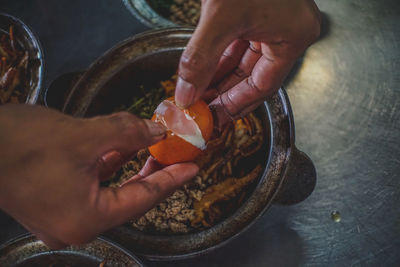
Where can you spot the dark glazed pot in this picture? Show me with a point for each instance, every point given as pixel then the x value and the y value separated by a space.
pixel 147 15
pixel 288 177
pixel 27 251
pixel 36 62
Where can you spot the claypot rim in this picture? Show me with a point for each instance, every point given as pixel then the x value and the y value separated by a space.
pixel 280 117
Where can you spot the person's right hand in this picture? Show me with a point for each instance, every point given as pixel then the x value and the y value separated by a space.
pixel 244 50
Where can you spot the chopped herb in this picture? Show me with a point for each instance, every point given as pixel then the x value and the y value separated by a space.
pixel 144 106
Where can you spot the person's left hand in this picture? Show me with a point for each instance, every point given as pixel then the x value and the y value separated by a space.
pixel 51 166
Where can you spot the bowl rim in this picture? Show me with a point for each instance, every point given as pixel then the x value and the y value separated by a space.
pixel 281 94
pixel 146 14
pixel 22 240
pixel 180 30
pixel 270 182
pixel 34 93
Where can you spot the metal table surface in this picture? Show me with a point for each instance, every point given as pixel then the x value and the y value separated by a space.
pixel 345 95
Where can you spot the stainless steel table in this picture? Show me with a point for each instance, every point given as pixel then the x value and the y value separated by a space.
pixel 345 94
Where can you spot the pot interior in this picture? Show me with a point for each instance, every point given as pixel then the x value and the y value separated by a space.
pixel 147 72
pixel 28 251
pixel 103 89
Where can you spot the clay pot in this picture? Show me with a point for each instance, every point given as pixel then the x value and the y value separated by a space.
pixel 288 177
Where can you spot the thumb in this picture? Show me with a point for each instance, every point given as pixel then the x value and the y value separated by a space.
pixel 114 139
pixel 133 199
pixel 199 61
pixel 123 132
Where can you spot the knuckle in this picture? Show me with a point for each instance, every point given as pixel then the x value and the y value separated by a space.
pixel 141 130
pixel 314 28
pixel 314 19
pixel 129 124
pixel 168 175
pixel 241 73
pixel 255 47
pixel 162 187
pixel 316 31
pixel 121 120
pixel 228 54
pixel 230 106
pixel 151 188
pixel 254 88
pixel 193 59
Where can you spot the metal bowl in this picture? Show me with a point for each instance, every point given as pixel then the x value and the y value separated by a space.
pixel 147 15
pixel 288 176
pixel 27 251
pixel 36 62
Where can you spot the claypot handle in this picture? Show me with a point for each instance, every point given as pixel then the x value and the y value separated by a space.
pixel 299 180
pixel 59 89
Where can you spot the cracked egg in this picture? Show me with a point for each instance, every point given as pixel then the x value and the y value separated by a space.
pixel 188 131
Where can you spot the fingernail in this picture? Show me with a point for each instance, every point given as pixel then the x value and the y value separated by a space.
pixel 109 163
pixel 184 93
pixel 155 128
pixel 150 166
pixel 220 114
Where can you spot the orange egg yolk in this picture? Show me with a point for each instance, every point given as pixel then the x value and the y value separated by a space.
pixel 188 131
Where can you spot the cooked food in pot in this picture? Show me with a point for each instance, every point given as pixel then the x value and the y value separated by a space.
pixel 229 168
pixel 182 12
pixel 14 60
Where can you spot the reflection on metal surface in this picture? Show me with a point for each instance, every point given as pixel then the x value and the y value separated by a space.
pixel 335 216
pixel 317 71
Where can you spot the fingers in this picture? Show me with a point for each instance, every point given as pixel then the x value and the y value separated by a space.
pixel 222 117
pixel 106 142
pixel 243 69
pixel 124 132
pixel 112 161
pixel 234 63
pixel 230 59
pixel 108 164
pixel 199 61
pixel 251 108
pixel 112 140
pixel 116 206
pixel 266 77
pixel 149 167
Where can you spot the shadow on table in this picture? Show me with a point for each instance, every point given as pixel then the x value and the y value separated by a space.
pixel 325 31
pixel 261 245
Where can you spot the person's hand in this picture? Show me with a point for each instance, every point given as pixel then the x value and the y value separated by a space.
pixel 243 50
pixel 51 165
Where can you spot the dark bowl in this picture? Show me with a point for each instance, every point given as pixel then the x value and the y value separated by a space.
pixel 27 251
pixel 147 15
pixel 36 62
pixel 288 176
